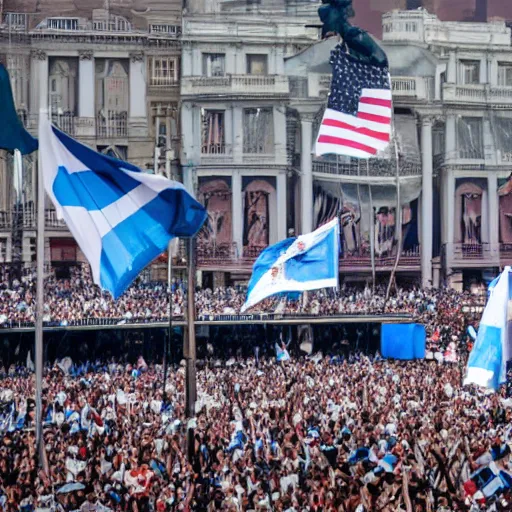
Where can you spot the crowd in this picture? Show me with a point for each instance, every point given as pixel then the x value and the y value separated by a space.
pixel 77 301
pixel 346 434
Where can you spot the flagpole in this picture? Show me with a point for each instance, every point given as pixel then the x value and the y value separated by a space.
pixel 190 348
pixel 168 338
pixel 372 225
pixel 39 297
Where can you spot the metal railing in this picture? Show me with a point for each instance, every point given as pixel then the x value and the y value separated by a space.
pixel 113 125
pixel 236 84
pixel 65 122
pixel 377 168
pixel 5 220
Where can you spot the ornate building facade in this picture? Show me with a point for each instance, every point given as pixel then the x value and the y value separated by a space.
pixel 108 72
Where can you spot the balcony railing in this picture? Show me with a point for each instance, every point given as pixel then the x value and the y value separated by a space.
pixel 477 93
pixel 409 258
pixel 52 221
pixel 5 220
pixel 250 85
pixel 65 122
pixel 472 254
pixel 472 154
pixel 113 125
pixel 376 168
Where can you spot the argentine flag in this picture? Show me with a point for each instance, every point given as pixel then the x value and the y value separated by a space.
pixel 308 262
pixel 488 359
pixel 120 217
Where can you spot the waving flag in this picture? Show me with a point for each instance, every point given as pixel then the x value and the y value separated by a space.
pixel 357 120
pixel 120 217
pixel 308 262
pixel 488 359
pixel 12 133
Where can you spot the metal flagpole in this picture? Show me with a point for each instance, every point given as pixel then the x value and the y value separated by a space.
pixel 190 348
pixel 372 225
pixel 168 338
pixel 39 297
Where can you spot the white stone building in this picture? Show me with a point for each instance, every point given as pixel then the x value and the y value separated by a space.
pixel 235 99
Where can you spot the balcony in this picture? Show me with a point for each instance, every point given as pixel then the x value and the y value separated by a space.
pixel 213 154
pixel 377 168
pixel 50 220
pixel 113 125
pixel 477 94
pixel 235 85
pixel 409 261
pixel 472 255
pixel 5 221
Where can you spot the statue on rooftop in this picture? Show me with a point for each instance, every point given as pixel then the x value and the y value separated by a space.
pixel 334 15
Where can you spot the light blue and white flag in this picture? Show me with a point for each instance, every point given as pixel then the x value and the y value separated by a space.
pixel 120 217
pixel 308 262
pixel 488 359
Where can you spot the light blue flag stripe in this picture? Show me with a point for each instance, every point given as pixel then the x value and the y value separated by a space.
pixel 120 217
pixel 308 262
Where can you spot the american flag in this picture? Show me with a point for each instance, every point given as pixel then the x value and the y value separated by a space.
pixel 357 120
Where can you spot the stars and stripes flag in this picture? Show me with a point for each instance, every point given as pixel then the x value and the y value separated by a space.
pixel 357 120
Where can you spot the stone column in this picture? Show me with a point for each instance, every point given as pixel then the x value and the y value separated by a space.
pixel 281 206
pixel 39 81
pixel 426 202
pixel 138 112
pixel 86 84
pixel 237 210
pixel 494 223
pixel 451 72
pixel 451 137
pixel 449 208
pixel 306 125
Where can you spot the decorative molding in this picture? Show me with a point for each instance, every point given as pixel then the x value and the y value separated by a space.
pixel 86 55
pixel 137 57
pixel 38 54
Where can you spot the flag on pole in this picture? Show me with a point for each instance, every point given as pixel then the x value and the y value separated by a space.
pixel 12 133
pixel 357 120
pixel 308 262
pixel 120 217
pixel 488 359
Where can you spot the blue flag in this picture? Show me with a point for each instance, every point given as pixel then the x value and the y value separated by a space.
pixel 308 262
pixel 12 133
pixel 120 217
pixel 488 359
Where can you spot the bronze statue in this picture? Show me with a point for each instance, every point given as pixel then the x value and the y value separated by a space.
pixel 334 15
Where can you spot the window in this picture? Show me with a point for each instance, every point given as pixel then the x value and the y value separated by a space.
pixel 213 142
pixel 164 71
pixel 505 74
pixel 114 24
pixel 504 132
pixel 165 122
pixel 15 20
pixel 258 131
pixel 171 30
pixel 62 23
pixel 214 64
pixel 469 72
pixel 257 64
pixel 3 250
pixel 471 145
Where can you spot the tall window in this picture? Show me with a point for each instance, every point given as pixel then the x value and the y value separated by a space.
pixel 257 64
pixel 3 250
pixel 213 141
pixel 505 74
pixel 471 141
pixel 62 23
pixel 469 72
pixel 164 71
pixel 258 131
pixel 165 122
pixel 504 132
pixel 171 30
pixel 214 64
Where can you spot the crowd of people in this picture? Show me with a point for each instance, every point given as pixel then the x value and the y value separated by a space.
pixel 77 301
pixel 324 433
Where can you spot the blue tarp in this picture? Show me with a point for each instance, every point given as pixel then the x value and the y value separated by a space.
pixel 403 341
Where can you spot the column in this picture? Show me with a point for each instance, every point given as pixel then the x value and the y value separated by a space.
pixel 494 223
pixel 86 84
pixel 282 214
pixel 43 81
pixel 483 70
pixel 306 125
pixel 451 137
pixel 34 79
pixel 186 62
pixel 238 214
pixel 449 208
pixel 238 134
pixel 426 202
pixel 451 74
pixel 138 120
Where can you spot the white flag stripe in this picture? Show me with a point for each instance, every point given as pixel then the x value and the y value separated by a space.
pixel 323 148
pixel 381 94
pixel 356 122
pixel 376 110
pixel 353 136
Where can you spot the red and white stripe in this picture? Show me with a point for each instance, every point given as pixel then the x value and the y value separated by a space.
pixel 362 136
